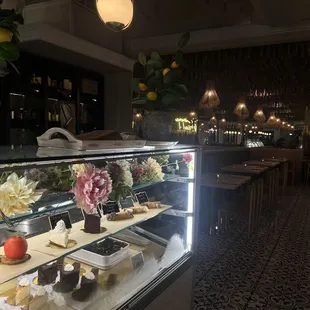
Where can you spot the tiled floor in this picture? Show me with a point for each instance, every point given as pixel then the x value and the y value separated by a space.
pixel 271 270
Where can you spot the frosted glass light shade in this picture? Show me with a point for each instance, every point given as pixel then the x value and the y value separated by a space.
pixel 209 100
pixel 241 111
pixel 259 116
pixel 116 14
pixel 213 121
pixel 272 120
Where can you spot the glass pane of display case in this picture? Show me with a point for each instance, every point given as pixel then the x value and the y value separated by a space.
pixel 102 230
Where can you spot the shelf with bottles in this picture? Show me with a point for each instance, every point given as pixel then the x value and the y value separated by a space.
pixel 60 89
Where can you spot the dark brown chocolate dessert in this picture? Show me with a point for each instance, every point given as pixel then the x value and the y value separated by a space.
pixel 47 273
pixel 106 247
pixel 88 286
pixel 69 278
pixel 92 224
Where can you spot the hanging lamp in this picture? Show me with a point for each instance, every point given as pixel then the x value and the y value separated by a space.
pixel 213 120
pixel 117 15
pixel 241 110
pixel 272 120
pixel 259 115
pixel 210 99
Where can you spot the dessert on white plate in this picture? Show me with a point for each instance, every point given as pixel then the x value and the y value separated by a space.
pixel 60 235
pixel 8 286
pixel 22 294
pixel 39 299
pixel 57 302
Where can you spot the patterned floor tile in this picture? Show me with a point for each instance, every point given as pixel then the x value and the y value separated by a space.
pixel 269 271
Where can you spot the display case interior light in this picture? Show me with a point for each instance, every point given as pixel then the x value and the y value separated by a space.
pixel 190 202
pixel 117 15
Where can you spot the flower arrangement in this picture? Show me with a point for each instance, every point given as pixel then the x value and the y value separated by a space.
pixel 92 187
pixel 187 159
pixel 161 82
pixel 149 171
pixel 17 194
pixel 122 179
pixel 9 38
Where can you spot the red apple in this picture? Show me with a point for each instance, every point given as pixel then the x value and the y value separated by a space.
pixel 15 247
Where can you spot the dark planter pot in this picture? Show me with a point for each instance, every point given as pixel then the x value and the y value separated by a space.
pixel 92 223
pixel 157 126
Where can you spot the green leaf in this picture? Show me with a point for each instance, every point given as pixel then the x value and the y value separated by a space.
pixel 173 76
pixel 180 89
pixel 184 39
pixel 149 70
pixel 169 98
pixel 159 73
pixel 179 59
pixel 154 83
pixel 8 51
pixel 142 59
pixel 155 56
pixel 14 67
pixel 135 84
pixel 155 64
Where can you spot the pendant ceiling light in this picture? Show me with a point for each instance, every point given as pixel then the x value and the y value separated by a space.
pixel 259 115
pixel 272 121
pixel 117 15
pixel 213 121
pixel 241 110
pixel 210 99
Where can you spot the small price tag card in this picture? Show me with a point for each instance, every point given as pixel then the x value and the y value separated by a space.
pixel 127 202
pixel 110 207
pixel 142 197
pixel 137 261
pixel 65 216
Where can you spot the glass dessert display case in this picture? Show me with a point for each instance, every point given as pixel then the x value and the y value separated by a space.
pixel 95 230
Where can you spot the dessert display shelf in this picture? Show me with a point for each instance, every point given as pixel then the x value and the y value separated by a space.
pixel 57 207
pixel 42 254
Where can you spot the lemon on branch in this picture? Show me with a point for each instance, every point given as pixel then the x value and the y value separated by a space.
pixel 142 86
pixel 5 35
pixel 151 95
pixel 165 71
pixel 174 65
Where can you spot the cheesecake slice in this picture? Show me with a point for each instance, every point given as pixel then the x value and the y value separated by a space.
pixel 60 235
pixel 7 287
pixel 22 294
pixel 39 299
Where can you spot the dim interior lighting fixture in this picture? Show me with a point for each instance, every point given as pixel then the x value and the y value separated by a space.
pixel 241 110
pixel 272 119
pixel 213 120
pixel 117 15
pixel 210 99
pixel 259 116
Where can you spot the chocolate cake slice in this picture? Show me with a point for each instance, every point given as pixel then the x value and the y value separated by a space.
pixel 88 286
pixel 69 278
pixel 47 273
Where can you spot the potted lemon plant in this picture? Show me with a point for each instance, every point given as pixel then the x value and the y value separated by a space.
pixel 9 39
pixel 159 88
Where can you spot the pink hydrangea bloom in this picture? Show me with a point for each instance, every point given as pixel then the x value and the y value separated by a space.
pixel 92 187
pixel 187 158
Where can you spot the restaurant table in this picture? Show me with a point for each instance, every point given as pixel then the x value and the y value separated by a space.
pixel 284 166
pixel 272 177
pixel 306 168
pixel 257 174
pixel 220 182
